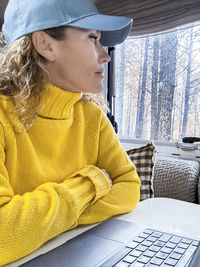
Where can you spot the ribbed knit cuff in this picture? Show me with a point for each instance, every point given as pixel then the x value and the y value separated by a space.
pixel 98 178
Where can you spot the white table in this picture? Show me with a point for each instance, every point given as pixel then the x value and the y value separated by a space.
pixel 168 215
pixel 164 214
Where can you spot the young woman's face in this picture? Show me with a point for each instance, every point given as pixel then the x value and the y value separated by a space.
pixel 79 60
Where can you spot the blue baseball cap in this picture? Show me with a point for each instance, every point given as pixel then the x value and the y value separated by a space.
pixel 23 17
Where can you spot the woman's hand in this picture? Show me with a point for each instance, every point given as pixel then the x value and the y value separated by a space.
pixel 108 176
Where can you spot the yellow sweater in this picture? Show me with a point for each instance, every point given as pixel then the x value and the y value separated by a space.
pixel 51 178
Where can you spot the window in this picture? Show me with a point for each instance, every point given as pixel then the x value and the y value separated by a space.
pixel 157 83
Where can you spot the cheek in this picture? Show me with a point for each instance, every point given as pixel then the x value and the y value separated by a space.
pixel 78 62
pixel 85 64
pixel 84 56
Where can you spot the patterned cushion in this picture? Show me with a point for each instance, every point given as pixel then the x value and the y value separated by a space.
pixel 143 158
pixel 176 178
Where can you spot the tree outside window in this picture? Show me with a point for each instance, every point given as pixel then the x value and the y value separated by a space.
pixel 158 86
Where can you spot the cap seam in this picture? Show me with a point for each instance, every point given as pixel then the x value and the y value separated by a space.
pixel 92 14
pixel 65 23
pixel 21 15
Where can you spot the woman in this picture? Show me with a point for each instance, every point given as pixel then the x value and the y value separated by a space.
pixel 61 164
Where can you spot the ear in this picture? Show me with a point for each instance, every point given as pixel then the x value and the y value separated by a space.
pixel 43 43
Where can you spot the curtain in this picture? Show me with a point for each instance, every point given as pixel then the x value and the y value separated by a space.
pixel 152 16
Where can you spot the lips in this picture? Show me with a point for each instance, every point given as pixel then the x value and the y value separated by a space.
pixel 100 74
pixel 100 71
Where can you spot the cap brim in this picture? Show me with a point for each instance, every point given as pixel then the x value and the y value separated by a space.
pixel 114 29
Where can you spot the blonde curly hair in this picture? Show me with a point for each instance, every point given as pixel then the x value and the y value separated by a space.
pixel 23 76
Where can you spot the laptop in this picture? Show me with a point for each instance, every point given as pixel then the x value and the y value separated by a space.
pixel 120 243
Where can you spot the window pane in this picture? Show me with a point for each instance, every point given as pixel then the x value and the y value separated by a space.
pixel 157 82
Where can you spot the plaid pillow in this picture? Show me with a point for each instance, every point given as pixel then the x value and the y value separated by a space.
pixel 143 158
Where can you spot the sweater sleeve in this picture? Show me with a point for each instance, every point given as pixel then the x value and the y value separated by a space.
pixel 29 220
pixel 125 191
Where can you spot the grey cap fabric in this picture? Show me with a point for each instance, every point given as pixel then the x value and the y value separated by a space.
pixel 23 17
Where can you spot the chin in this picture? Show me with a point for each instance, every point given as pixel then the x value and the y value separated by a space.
pixel 97 90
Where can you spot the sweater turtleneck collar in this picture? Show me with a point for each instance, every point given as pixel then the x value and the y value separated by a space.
pixel 57 103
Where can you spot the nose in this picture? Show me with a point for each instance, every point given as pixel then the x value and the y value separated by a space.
pixel 103 56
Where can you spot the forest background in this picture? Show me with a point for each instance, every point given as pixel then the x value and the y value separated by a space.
pixel 157 82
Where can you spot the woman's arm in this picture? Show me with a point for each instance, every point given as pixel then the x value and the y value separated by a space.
pixel 29 220
pixel 125 192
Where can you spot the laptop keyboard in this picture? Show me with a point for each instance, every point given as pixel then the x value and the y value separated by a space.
pixel 154 248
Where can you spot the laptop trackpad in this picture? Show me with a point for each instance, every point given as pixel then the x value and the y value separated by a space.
pixel 117 230
pixel 86 250
pixel 90 248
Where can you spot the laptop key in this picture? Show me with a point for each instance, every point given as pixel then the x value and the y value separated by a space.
pixel 154 248
pixel 159 243
pixel 122 264
pixel 138 239
pixel 171 262
pixel 141 248
pixel 116 257
pixel 175 239
pixel 186 240
pixel 137 264
pixel 165 237
pixel 157 261
pixel 175 256
pixel 151 239
pixel 144 259
pixel 183 245
pixel 136 253
pixel 156 234
pixel 161 255
pixel 149 253
pixel 170 245
pixel 129 259
pixel 147 243
pixel 132 244
pixel 195 243
pixel 179 250
pixel 166 250
pixel 143 235
pixel 148 231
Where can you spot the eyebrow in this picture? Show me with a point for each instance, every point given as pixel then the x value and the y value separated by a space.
pixel 97 32
pixel 86 30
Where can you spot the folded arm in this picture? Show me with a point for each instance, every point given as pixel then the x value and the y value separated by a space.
pixel 29 220
pixel 125 192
